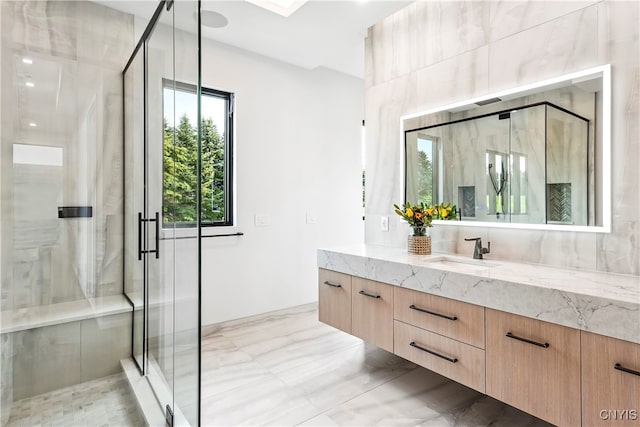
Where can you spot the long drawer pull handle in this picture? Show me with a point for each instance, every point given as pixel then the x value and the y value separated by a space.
pixel 422 310
pixel 366 294
pixel 333 285
pixel 450 359
pixel 619 367
pixel 543 345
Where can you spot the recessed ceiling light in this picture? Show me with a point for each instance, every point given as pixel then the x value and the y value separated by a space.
pixel 33 124
pixel 281 7
pixel 30 84
pixel 211 19
pixel 27 61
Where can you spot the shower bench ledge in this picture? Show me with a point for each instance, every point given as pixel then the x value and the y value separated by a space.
pixel 54 314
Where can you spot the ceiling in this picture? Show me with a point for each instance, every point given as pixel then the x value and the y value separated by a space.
pixel 320 33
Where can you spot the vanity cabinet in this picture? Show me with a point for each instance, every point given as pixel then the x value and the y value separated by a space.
pixel 372 312
pixel 534 366
pixel 334 299
pixel 610 381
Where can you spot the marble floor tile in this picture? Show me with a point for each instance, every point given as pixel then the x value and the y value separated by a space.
pixel 265 401
pixel 344 374
pixel 289 369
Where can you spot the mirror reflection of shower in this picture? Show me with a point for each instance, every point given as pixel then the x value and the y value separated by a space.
pixel 498 179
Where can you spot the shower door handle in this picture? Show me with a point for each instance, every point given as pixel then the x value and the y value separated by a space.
pixel 157 235
pixel 140 236
pixel 147 220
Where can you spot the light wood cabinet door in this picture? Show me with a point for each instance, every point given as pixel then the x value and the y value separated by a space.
pixel 372 312
pixel 334 299
pixel 461 362
pixel 534 366
pixel 454 319
pixel 610 381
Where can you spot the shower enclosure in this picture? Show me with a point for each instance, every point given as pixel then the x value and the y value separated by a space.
pixel 93 270
pixel 65 319
pixel 161 256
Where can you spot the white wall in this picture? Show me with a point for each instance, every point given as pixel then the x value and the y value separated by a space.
pixel 298 136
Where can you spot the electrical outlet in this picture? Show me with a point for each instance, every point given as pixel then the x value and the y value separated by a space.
pixel 384 223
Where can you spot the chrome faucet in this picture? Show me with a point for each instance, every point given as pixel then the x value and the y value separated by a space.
pixel 478 250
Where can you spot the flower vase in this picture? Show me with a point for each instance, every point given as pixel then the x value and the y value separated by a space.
pixel 419 242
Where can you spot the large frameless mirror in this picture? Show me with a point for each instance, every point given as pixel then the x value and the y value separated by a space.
pixel 535 156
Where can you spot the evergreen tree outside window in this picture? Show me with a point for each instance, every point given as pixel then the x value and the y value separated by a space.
pixel 181 156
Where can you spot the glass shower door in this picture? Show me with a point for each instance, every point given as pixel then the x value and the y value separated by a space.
pixel 134 153
pixel 162 209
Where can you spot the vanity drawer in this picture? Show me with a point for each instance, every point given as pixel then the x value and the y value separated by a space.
pixel 372 312
pixel 334 299
pixel 534 366
pixel 454 319
pixel 460 362
pixel 610 381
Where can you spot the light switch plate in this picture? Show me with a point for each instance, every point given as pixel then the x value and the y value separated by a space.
pixel 384 223
pixel 311 218
pixel 262 220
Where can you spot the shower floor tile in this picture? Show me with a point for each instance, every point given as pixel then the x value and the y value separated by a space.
pixel 102 402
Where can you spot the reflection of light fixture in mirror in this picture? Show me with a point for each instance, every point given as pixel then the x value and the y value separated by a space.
pixel 32 124
pixel 282 7
pixel 27 61
pixel 211 19
pixel 30 84
pixel 487 101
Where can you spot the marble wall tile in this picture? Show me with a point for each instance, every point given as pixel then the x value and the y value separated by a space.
pixel 510 17
pixel 46 359
pixel 392 99
pixel 447 29
pixel 450 238
pixel 619 251
pixel 105 35
pixel 461 77
pixel 562 249
pixel 104 342
pixel 6 377
pixel 82 46
pixel 391 47
pixel 620 47
pixel 557 47
pixel 73 30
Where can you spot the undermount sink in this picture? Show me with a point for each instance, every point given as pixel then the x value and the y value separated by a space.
pixel 455 263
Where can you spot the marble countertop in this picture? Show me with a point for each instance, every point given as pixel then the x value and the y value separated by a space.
pixel 64 312
pixel 603 303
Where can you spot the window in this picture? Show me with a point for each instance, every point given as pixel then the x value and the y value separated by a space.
pixel 180 158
